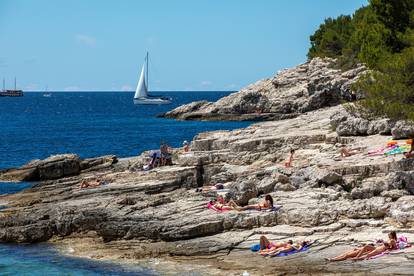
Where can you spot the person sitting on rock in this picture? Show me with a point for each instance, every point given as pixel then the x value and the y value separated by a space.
pixel 410 153
pixel 93 184
pixel 367 250
pixel 155 161
pixel 267 204
pixel 391 244
pixel 166 156
pixel 345 152
pixel 186 146
pixel 266 245
pixel 288 162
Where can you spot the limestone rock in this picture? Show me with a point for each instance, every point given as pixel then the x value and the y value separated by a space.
pixel 402 130
pixel 56 166
pixel 309 86
pixel 402 211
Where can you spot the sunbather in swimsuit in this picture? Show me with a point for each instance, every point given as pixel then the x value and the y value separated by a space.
pixel 92 184
pixel 410 153
pixel 288 247
pixel 356 252
pixel 267 204
pixel 266 246
pixel 348 152
pixel 231 205
pixel 361 252
pixel 390 245
pixel 211 188
pixel 288 162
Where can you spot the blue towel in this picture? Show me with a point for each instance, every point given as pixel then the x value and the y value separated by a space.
pixel 255 247
pixel 290 252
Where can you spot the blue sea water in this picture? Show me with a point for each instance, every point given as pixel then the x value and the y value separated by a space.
pixel 93 124
pixel 89 124
pixel 43 259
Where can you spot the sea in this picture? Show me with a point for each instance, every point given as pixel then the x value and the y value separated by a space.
pixel 89 124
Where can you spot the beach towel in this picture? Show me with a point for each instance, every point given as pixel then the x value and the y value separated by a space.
pixel 379 151
pixel 273 209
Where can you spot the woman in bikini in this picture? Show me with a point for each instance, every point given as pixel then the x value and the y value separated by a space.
pixel 364 251
pixel 267 204
pixel 288 162
pixel 288 247
pixel 230 205
pixel 353 253
pixel 345 152
pixel 390 245
pixel 266 246
pixel 92 184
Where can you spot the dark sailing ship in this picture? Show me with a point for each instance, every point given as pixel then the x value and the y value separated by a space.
pixel 11 92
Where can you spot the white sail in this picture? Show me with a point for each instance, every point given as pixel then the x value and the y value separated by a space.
pixel 141 91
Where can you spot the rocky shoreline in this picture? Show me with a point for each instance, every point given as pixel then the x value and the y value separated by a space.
pixel 309 86
pixel 338 203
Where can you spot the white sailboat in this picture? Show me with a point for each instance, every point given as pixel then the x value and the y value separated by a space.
pixel 47 94
pixel 141 93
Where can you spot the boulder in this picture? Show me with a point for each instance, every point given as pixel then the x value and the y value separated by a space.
pixel 402 211
pixel 402 130
pixel 402 180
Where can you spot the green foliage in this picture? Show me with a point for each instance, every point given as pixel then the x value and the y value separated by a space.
pixel 381 35
pixel 390 91
pixel 331 37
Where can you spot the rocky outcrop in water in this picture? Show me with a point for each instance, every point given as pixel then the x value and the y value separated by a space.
pixel 309 86
pixel 55 167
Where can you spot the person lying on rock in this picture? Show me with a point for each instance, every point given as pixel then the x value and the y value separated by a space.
pixel 288 247
pixel 266 204
pixel 345 152
pixel 391 244
pixel 215 187
pixel 288 162
pixel 362 252
pixel 93 184
pixel 353 253
pixel 230 205
pixel 266 246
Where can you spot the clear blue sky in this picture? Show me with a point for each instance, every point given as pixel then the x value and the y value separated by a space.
pixel 193 44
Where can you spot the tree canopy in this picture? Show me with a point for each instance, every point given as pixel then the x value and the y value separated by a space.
pixel 381 35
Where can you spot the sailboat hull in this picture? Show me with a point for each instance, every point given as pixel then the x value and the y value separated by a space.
pixel 151 101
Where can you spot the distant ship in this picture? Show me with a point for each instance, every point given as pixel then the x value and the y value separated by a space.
pixel 47 94
pixel 141 93
pixel 11 92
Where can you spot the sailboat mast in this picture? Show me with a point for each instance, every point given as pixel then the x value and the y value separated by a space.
pixel 4 84
pixel 14 83
pixel 147 74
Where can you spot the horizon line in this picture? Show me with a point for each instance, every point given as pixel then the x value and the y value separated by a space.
pixel 121 91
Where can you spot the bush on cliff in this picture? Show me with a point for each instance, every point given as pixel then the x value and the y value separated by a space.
pixel 381 35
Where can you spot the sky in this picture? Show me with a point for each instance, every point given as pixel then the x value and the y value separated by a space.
pixel 100 45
